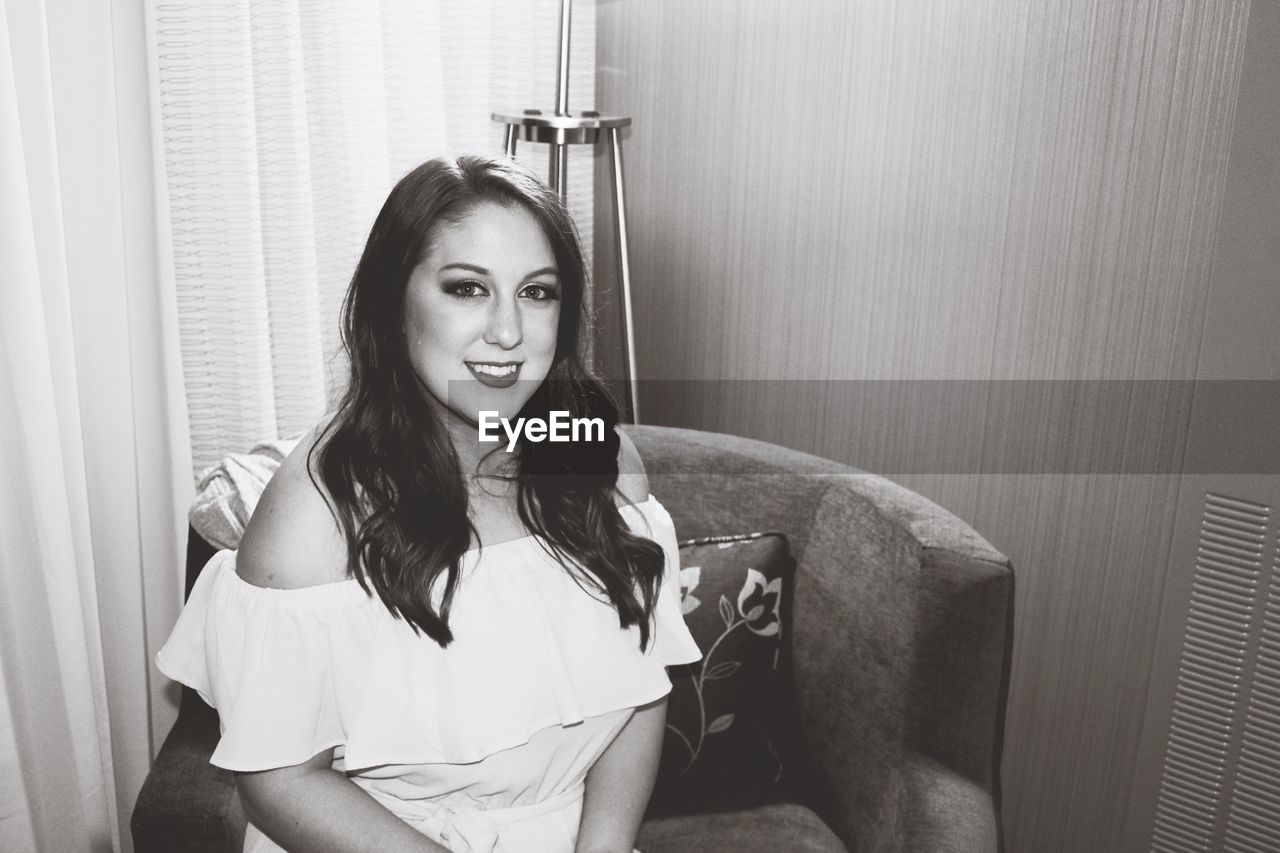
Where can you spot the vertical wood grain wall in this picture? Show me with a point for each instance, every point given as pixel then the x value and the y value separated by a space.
pixel 925 189
pixel 1239 342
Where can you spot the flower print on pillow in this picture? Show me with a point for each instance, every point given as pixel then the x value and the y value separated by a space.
pixel 722 720
pixel 758 603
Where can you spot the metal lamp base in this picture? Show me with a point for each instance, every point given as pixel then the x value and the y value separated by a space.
pixel 585 128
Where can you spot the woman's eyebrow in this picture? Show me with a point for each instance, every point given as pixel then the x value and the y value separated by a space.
pixel 543 271
pixel 482 271
pixel 471 267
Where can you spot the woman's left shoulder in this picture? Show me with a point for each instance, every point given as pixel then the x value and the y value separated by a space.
pixel 633 483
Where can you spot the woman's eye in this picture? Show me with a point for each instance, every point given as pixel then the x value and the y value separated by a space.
pixel 465 289
pixel 540 293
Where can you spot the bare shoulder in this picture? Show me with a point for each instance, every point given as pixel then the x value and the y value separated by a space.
pixel 292 540
pixel 633 483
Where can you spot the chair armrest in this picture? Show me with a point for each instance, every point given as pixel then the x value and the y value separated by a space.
pixel 960 673
pixel 901 655
pixel 186 803
pixel 854 605
pixel 947 813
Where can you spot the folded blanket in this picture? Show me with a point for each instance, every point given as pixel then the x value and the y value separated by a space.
pixel 228 492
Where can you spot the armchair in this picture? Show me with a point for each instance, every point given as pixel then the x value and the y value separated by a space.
pixel 899 645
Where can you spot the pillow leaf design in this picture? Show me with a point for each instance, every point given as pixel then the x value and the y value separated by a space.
pixel 758 605
pixel 727 714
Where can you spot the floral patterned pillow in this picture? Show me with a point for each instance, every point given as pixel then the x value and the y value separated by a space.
pixel 726 711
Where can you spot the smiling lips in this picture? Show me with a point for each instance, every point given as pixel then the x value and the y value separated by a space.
pixel 495 374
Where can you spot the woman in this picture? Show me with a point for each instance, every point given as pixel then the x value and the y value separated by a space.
pixel 425 641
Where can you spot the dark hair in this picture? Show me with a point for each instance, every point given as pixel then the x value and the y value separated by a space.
pixel 393 478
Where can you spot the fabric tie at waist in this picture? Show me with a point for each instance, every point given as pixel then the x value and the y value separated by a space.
pixel 470 830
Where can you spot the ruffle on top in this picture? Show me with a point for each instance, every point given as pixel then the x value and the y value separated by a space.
pixel 295 672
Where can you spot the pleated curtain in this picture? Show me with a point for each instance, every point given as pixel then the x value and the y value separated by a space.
pixel 95 474
pixel 184 191
pixel 285 125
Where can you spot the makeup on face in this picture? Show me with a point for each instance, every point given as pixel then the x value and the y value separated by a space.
pixel 482 312
pixel 495 374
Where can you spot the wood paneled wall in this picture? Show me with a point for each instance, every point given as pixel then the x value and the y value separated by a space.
pixel 1239 342
pixel 990 190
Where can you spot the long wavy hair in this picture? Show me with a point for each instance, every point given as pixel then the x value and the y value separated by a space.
pixel 393 478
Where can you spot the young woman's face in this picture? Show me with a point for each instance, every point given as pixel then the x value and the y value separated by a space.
pixel 481 312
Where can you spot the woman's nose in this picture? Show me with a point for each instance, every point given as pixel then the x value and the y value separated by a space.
pixel 504 328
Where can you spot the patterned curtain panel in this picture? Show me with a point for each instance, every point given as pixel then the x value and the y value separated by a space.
pixel 284 126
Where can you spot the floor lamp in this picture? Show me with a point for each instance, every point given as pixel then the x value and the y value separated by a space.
pixel 561 129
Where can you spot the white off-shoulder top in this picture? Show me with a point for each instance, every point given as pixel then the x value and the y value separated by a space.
pixel 485 745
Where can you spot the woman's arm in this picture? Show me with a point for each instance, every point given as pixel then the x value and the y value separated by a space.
pixel 620 782
pixel 291 542
pixel 312 807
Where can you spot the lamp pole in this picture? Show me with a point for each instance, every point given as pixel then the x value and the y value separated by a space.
pixel 560 130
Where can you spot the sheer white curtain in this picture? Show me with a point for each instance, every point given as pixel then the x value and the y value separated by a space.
pixel 184 190
pixel 285 125
pixel 95 469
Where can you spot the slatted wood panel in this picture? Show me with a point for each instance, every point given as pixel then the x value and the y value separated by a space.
pixel 1199 757
pixel 1253 823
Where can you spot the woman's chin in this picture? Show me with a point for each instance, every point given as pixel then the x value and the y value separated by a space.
pixel 488 414
pixel 472 402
